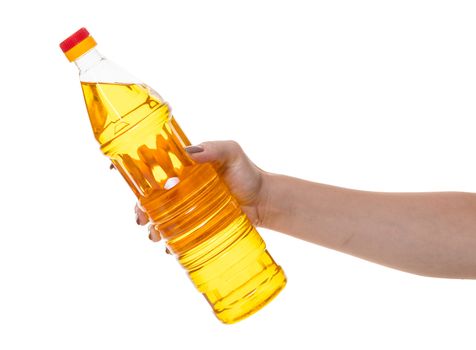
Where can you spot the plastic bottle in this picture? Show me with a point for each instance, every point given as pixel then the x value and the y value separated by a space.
pixel 200 221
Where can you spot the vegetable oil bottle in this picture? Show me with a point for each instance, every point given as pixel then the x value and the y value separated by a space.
pixel 200 221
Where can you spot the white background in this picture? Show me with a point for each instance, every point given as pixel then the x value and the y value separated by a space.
pixel 373 95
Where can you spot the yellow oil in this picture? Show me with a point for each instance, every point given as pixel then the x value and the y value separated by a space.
pixel 200 221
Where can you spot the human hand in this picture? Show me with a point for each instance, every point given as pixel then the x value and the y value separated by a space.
pixel 241 175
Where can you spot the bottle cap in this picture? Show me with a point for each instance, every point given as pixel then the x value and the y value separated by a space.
pixel 77 44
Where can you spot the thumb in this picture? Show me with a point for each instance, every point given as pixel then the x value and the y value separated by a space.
pixel 222 153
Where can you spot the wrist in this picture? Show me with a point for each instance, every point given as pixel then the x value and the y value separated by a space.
pixel 263 206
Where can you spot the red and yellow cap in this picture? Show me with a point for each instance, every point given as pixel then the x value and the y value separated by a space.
pixel 77 44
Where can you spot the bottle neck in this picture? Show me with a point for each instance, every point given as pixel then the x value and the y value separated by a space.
pixel 89 59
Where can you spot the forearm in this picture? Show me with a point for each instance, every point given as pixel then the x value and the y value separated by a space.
pixel 431 234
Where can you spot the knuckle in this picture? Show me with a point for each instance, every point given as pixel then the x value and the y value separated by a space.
pixel 234 147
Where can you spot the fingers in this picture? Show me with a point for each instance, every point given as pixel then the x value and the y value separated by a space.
pixel 154 235
pixel 141 217
pixel 222 152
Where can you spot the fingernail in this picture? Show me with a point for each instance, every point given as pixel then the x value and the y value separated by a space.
pixel 194 149
pixel 112 166
pixel 167 251
pixel 137 219
pixel 150 236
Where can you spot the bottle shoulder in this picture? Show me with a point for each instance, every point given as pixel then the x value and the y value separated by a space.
pixel 106 71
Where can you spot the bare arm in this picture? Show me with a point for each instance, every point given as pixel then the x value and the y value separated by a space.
pixel 431 234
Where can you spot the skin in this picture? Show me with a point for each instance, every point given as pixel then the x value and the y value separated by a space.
pixel 428 233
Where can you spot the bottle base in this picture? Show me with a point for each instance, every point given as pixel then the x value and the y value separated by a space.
pixel 263 289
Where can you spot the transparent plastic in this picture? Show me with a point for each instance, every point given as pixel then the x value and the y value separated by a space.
pixel 200 221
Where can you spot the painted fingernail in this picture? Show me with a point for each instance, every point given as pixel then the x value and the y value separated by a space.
pixel 167 251
pixel 137 219
pixel 112 166
pixel 194 149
